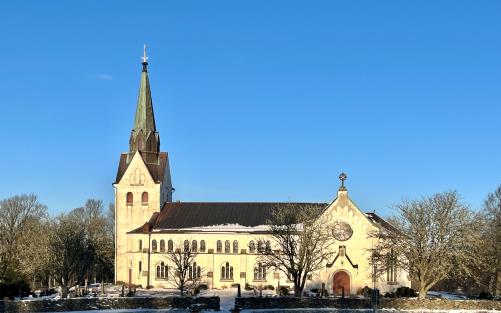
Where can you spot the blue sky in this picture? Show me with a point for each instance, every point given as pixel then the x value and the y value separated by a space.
pixel 255 100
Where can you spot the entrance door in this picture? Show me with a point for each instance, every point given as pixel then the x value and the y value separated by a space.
pixel 341 284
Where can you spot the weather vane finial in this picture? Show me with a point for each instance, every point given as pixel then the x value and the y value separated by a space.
pixel 342 178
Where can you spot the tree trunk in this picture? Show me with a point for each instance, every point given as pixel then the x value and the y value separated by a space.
pixel 422 291
pixel 64 292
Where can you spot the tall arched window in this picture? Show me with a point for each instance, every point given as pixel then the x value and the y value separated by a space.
pixel 162 270
pixel 202 245
pixel 140 245
pixel 227 272
pixel 144 198
pixel 162 245
pixel 227 246
pixel 186 245
pixel 194 246
pixel 154 245
pixel 260 246
pixel 252 246
pixel 219 246
pixel 268 245
pixel 259 272
pixel 129 198
pixel 235 246
pixel 194 271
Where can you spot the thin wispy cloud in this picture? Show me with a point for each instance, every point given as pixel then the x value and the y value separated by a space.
pixel 104 76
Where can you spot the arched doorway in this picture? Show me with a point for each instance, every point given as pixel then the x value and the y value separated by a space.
pixel 341 284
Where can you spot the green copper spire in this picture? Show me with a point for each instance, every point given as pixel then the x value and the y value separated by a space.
pixel 145 119
pixel 144 136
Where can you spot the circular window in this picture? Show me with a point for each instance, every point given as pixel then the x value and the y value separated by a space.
pixel 342 231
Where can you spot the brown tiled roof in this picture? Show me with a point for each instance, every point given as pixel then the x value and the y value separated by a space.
pixel 176 215
pixel 156 169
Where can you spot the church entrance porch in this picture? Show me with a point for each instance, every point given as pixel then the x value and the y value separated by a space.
pixel 341 284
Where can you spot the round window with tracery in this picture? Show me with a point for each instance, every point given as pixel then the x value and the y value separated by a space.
pixel 342 231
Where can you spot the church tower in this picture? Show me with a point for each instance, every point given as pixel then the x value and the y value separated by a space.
pixel 143 182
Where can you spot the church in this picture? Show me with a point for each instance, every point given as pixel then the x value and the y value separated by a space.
pixel 149 224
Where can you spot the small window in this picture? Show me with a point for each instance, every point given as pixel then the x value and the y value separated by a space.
pixel 140 267
pixel 219 246
pixel 129 198
pixel 194 246
pixel 202 245
pixel 140 245
pixel 170 246
pixel 235 246
pixel 154 245
pixel 186 246
pixel 227 246
pixel 260 246
pixel 268 245
pixel 144 198
pixel 162 245
pixel 194 272
pixel 252 246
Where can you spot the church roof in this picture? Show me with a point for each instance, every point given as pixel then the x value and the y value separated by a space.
pixel 156 169
pixel 182 215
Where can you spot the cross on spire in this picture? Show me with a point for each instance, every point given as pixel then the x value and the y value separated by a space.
pixel 145 59
pixel 342 178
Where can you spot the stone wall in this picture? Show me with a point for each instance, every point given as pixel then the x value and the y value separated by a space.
pixel 348 303
pixel 440 304
pixel 295 302
pixel 84 304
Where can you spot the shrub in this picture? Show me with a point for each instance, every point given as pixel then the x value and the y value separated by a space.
pixel 405 292
pixel 367 292
pixel 390 295
pixel 269 287
pixel 485 296
pixel 203 287
pixel 248 287
pixel 315 290
pixel 234 285
pixel 284 291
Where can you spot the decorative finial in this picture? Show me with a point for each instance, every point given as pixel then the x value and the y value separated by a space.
pixel 342 178
pixel 145 59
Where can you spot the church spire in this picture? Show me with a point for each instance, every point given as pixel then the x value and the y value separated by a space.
pixel 144 136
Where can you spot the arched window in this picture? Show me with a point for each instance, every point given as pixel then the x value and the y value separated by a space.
pixel 170 246
pixel 235 246
pixel 140 245
pixel 202 245
pixel 162 270
pixel 260 246
pixel 194 271
pixel 268 245
pixel 259 272
pixel 162 245
pixel 144 198
pixel 252 246
pixel 186 246
pixel 140 267
pixel 226 272
pixel 227 246
pixel 194 246
pixel 154 245
pixel 219 246
pixel 129 198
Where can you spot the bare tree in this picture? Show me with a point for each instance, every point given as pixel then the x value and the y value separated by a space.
pixel 429 238
pixel 300 243
pixel 183 271
pixel 491 253
pixel 18 215
pixel 68 251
